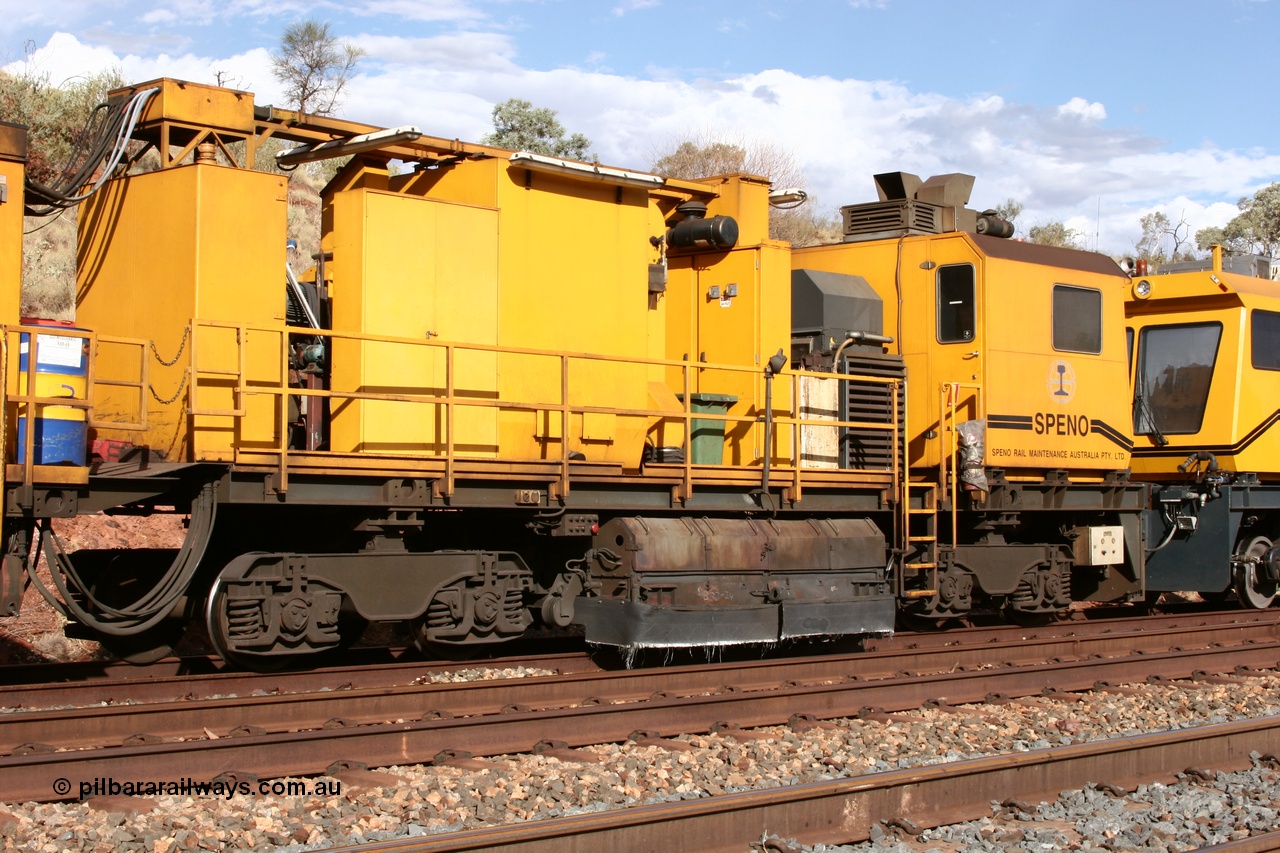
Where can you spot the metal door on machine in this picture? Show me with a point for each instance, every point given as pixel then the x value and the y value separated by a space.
pixel 951 284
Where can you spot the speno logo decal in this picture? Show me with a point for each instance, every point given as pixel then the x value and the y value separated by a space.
pixel 1061 382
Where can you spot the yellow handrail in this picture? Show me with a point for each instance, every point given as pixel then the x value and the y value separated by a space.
pixel 560 407
pixel 949 480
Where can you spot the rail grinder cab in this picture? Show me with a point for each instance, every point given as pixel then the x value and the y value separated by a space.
pixel 1017 443
pixel 1204 340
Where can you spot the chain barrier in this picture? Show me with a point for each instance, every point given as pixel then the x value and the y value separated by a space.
pixel 186 333
pixel 181 386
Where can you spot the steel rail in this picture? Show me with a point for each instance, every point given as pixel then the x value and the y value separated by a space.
pixel 32 776
pixel 96 726
pixel 172 682
pixel 74 685
pixel 361 670
pixel 843 811
pixel 1264 843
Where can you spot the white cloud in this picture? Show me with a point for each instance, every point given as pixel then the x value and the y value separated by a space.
pixel 1062 162
pixel 1084 110
pixel 416 10
pixel 16 15
pixel 159 16
pixel 464 51
pixel 633 6
pixel 64 57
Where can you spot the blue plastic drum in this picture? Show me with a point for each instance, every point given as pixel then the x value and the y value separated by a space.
pixel 62 370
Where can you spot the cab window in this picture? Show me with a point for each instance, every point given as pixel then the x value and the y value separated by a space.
pixel 955 304
pixel 1174 371
pixel 1265 332
pixel 1077 319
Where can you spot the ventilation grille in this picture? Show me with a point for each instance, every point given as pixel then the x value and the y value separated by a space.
pixel 872 449
pixel 898 218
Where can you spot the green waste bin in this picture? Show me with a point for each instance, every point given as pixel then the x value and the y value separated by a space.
pixel 707 439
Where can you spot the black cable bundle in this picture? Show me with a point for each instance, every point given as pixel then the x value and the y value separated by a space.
pixel 102 145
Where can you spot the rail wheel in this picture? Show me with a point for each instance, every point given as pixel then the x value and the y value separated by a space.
pixel 432 650
pixel 1252 588
pixel 220 622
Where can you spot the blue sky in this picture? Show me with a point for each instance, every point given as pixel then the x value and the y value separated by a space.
pixel 1093 113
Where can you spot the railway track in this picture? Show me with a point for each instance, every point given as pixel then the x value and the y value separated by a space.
pixel 114 682
pixel 841 811
pixel 308 733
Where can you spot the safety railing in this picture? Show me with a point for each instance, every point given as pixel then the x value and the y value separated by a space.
pixel 119 350
pixel 54 371
pixel 450 398
pixel 950 403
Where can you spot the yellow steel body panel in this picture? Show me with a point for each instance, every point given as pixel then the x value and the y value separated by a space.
pixel 746 199
pixel 196 104
pixel 1241 423
pixel 420 269
pixel 743 329
pixel 574 257
pixel 1010 356
pixel 561 265
pixel 160 249
pixel 523 298
pixel 13 160
pixel 1078 420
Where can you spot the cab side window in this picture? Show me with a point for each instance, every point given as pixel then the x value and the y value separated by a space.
pixel 956 315
pixel 1173 377
pixel 1266 340
pixel 1077 319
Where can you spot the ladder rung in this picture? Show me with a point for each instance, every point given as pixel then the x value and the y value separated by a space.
pixel 917 566
pixel 922 538
pixel 926 511
pixel 920 593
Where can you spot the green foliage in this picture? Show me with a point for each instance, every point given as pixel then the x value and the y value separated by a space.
pixel 1149 246
pixel 1156 227
pixel 314 66
pixel 519 126
pixel 1056 234
pixel 49 267
pixel 801 226
pixel 690 160
pixel 55 116
pixel 1009 210
pixel 1256 229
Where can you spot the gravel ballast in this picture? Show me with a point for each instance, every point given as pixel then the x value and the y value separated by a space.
pixel 418 799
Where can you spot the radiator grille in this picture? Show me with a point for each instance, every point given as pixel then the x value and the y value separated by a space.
pixel 898 218
pixel 872 449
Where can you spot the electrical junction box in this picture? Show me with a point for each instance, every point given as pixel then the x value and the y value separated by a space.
pixel 1099 546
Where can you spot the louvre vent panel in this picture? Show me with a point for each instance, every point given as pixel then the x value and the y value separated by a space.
pixel 891 218
pixel 871 449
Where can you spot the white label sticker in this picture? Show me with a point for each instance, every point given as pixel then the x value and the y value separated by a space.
pixel 726 302
pixel 59 350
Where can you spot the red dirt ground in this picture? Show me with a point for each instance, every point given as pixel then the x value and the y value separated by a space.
pixel 36 635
